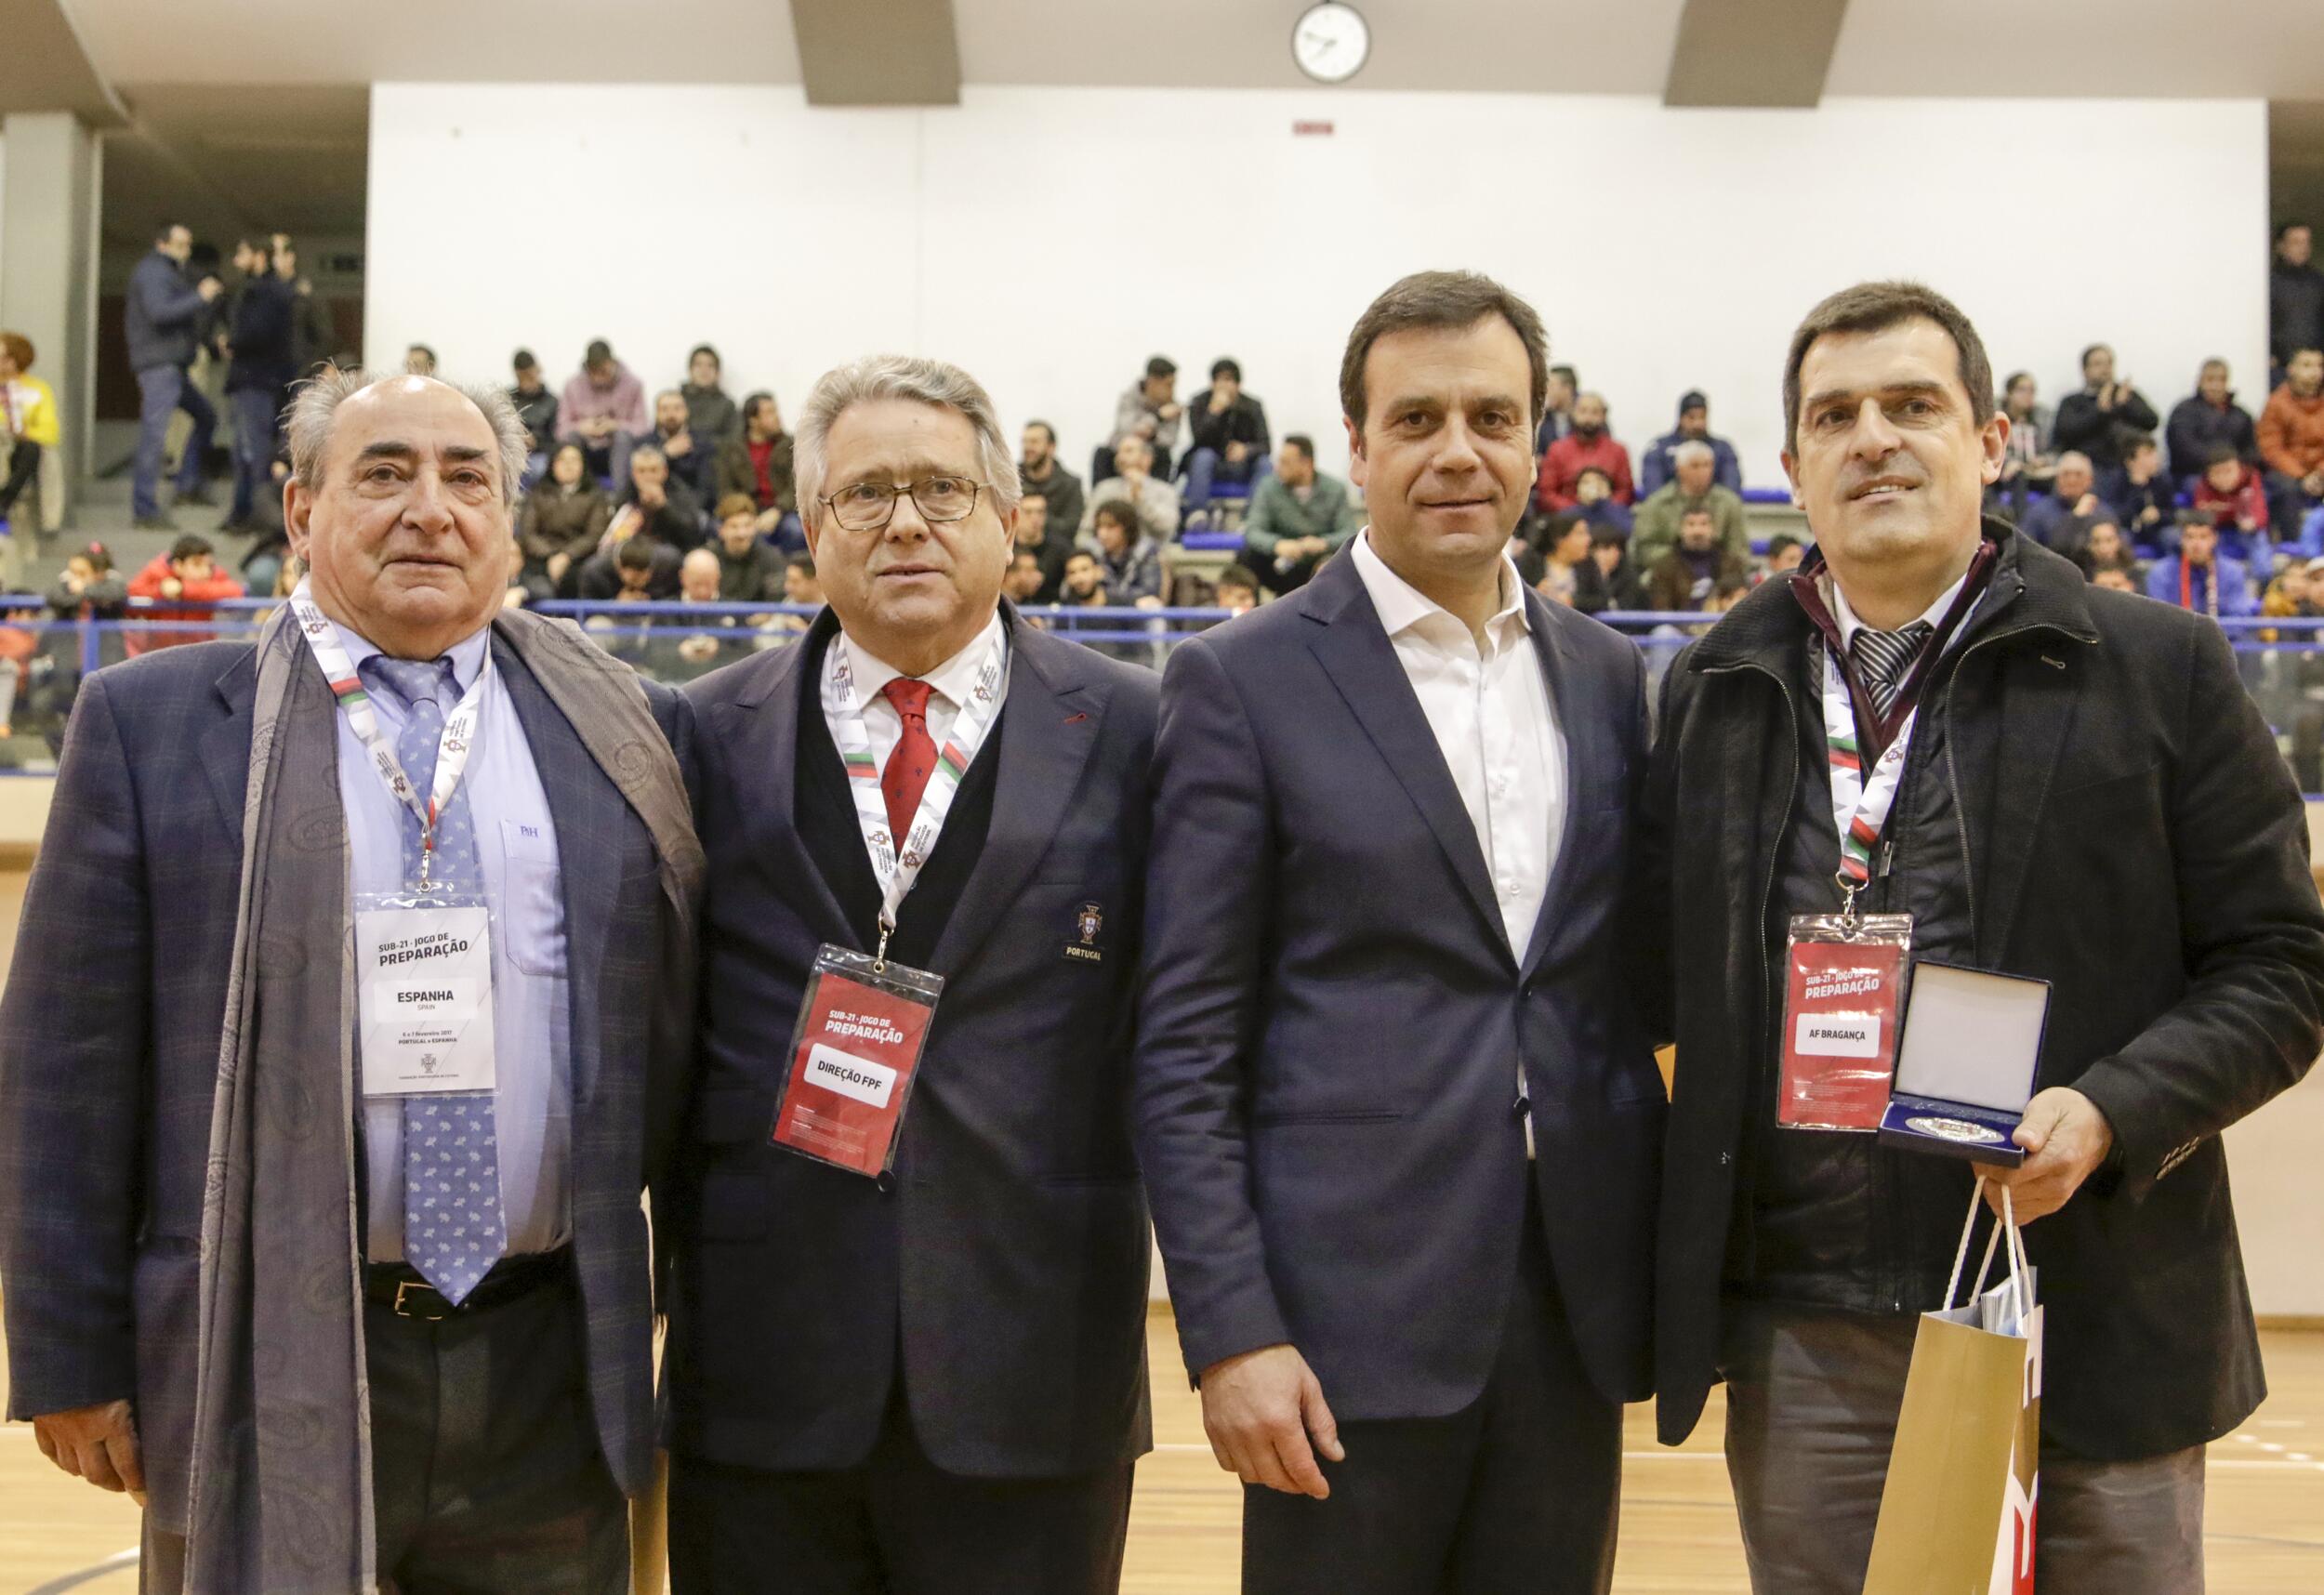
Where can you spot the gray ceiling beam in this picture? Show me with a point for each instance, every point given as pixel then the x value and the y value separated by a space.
pixel 878 52
pixel 1754 53
pixel 43 66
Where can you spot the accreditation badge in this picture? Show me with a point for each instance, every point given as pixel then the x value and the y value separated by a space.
pixel 855 1054
pixel 1843 997
pixel 424 995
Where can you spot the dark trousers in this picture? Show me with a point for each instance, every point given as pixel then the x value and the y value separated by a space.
pixel 23 464
pixel 896 1525
pixel 1516 1494
pixel 254 412
pixel 163 391
pixel 486 1476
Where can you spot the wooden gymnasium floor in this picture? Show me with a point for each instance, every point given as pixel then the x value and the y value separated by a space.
pixel 2267 1515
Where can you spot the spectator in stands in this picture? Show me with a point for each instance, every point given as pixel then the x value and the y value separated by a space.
pixel 653 510
pixel 419 360
pixel 2093 419
pixel 1022 583
pixel 537 407
pixel 1659 464
pixel 800 585
pixel 258 384
pixel 1588 447
pixel 186 584
pixel 2291 441
pixel 163 314
pixel 2072 494
pixel 709 411
pixel 1156 500
pixel 1690 575
pixel 1785 554
pixel 2075 533
pixel 2233 497
pixel 1150 410
pixel 636 570
pixel 692 455
pixel 2200 578
pixel 758 461
pixel 1048 543
pixel 2298 593
pixel 602 408
pixel 2026 462
pixel 2147 498
pixel 1039 471
pixel 1610 581
pixel 1594 496
pixel 749 567
pixel 2116 579
pixel 560 525
pixel 2104 548
pixel 1084 583
pixel 2206 420
pixel 1691 487
pixel 2295 296
pixel 1566 544
pixel 1226 438
pixel 711 640
pixel 1297 517
pixel 1236 590
pixel 89 588
pixel 1557 416
pixel 1129 559
pixel 28 420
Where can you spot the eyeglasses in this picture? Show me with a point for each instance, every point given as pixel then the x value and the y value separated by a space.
pixel 869 505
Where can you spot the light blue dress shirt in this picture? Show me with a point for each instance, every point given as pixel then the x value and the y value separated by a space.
pixel 516 844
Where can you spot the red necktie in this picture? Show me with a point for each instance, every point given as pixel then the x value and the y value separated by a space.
pixel 915 757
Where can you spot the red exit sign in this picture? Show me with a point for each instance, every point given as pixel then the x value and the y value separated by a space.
pixel 1310 130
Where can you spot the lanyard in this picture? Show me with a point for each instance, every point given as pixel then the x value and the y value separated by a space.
pixel 1860 803
pixel 459 739
pixel 896 873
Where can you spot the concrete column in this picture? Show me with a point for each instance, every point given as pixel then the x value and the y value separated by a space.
pixel 48 247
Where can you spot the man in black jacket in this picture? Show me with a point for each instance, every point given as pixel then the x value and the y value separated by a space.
pixel 1226 437
pixel 258 382
pixel 2099 418
pixel 2295 296
pixel 2089 798
pixel 2206 420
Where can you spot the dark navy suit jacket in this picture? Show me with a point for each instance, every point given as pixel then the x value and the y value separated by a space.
pixel 1333 1020
pixel 108 1039
pixel 1000 1273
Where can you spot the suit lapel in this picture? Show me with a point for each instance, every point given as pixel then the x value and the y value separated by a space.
pixel 1580 723
pixel 225 747
pixel 1355 652
pixel 588 811
pixel 770 742
pixel 1053 723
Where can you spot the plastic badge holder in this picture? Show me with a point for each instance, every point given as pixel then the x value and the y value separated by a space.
pixel 1965 1068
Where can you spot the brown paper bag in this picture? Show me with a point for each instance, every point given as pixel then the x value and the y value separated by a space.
pixel 1956 1513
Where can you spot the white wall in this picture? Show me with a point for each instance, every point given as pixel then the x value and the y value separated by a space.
pixel 1051 238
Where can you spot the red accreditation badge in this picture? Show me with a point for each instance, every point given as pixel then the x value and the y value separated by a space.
pixel 1843 997
pixel 855 1054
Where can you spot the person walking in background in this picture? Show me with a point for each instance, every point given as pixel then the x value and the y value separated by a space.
pixel 258 383
pixel 163 318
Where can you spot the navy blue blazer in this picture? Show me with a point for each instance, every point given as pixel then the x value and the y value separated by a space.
pixel 1000 1273
pixel 108 1038
pixel 1333 1020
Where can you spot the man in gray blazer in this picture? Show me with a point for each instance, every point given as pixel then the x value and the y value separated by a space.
pixel 216 1230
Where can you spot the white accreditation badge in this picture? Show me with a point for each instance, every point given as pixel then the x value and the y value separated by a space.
pixel 424 979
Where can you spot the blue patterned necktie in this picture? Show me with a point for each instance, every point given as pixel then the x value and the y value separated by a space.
pixel 454 1228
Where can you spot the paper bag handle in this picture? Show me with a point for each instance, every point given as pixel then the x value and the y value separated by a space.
pixel 2018 1266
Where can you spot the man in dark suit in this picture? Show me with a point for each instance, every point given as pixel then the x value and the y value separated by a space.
pixel 184 1304
pixel 932 1381
pixel 2087 797
pixel 1398 1119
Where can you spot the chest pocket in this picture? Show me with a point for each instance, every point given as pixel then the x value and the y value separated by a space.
pixel 534 900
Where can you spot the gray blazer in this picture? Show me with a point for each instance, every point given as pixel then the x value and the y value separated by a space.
pixel 109 1041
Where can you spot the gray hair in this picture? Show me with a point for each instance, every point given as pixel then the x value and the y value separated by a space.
pixel 1690 451
pixel 901 377
pixel 316 404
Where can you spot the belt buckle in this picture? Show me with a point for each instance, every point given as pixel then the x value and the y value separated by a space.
pixel 402 1286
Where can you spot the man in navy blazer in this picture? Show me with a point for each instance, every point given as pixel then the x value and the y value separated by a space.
pixel 933 1382
pixel 1398 1120
pixel 506 1430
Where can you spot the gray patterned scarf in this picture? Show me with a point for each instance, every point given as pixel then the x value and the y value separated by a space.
pixel 280 1494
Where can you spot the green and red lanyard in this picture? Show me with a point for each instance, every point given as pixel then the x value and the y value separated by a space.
pixel 1854 728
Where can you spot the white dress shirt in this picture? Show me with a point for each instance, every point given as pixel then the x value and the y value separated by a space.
pixel 1494 722
pixel 515 845
pixel 952 681
pixel 1845 617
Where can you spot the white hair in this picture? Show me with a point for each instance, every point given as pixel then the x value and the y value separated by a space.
pixel 315 406
pixel 900 376
pixel 1691 449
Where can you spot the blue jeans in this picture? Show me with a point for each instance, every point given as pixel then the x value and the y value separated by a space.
pixel 256 410
pixel 162 391
pixel 1206 466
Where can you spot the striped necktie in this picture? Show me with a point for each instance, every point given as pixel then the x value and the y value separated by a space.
pixel 1884 658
